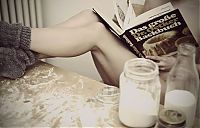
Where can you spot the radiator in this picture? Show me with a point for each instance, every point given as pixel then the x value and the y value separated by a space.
pixel 27 12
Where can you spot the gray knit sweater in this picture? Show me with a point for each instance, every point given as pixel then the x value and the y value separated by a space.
pixel 15 53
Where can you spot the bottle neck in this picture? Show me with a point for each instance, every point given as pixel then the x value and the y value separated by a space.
pixel 186 49
pixel 186 58
pixel 186 54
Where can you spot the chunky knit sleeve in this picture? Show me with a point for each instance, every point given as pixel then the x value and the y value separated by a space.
pixel 14 35
pixel 15 53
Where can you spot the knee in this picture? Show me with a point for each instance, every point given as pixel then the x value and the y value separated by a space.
pixel 96 26
pixel 89 14
pixel 99 30
pixel 99 27
pixel 98 33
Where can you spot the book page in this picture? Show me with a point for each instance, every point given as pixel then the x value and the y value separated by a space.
pixel 120 9
pixel 109 21
pixel 138 6
pixel 153 13
pixel 135 8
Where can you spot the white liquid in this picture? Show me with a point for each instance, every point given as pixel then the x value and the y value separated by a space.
pixel 137 109
pixel 184 101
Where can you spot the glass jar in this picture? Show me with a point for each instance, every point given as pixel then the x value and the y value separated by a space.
pixel 168 118
pixel 183 83
pixel 139 93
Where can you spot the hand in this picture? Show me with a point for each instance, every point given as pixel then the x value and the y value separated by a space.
pixel 165 63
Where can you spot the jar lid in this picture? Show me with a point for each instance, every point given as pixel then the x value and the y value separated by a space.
pixel 172 118
pixel 141 68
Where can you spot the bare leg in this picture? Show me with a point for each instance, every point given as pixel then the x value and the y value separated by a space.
pixel 83 18
pixel 67 41
pixel 75 25
pixel 62 42
pixel 110 57
pixel 106 56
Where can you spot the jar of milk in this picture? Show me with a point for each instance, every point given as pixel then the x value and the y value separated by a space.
pixel 139 93
pixel 183 84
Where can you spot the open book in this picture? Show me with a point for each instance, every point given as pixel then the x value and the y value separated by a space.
pixel 156 32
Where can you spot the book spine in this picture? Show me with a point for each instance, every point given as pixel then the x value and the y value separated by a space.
pixel 132 46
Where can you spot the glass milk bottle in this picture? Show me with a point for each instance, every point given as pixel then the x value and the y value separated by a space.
pixel 183 83
pixel 139 93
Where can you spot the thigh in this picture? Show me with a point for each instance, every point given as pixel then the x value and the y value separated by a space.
pixel 85 17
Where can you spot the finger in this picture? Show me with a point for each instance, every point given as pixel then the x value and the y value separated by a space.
pixel 163 69
pixel 158 58
pixel 162 63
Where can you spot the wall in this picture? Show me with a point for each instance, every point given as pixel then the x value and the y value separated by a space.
pixel 56 11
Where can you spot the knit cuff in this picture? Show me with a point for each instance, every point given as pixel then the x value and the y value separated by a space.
pixel 15 36
pixel 13 62
pixel 10 66
pixel 25 38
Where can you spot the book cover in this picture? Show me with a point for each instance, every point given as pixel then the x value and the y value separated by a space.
pixel 159 36
pixel 157 32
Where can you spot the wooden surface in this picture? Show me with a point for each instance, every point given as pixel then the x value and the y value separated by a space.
pixel 48 96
